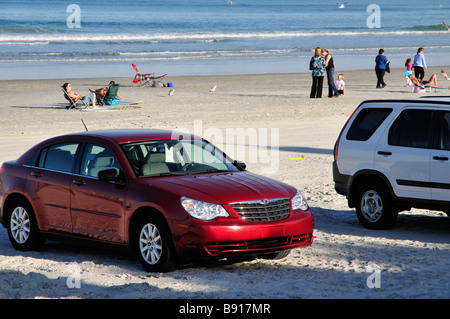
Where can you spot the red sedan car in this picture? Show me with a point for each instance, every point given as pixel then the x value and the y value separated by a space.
pixel 167 196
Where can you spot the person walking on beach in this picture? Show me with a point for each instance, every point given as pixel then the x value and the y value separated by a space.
pixel 419 65
pixel 329 66
pixel 317 66
pixel 380 68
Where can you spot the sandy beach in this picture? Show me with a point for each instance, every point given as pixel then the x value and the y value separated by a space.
pixel 413 257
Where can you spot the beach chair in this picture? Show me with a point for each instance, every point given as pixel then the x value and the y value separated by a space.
pixel 146 78
pixel 408 80
pixel 110 97
pixel 80 104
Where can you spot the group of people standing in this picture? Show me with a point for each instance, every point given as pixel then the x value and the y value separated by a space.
pixel 382 66
pixel 322 63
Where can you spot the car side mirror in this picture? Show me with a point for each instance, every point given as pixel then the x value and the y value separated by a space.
pixel 240 164
pixel 110 175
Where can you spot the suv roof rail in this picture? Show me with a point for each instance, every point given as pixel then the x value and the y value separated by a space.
pixel 412 100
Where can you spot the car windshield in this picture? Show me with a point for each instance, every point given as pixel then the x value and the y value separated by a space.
pixel 176 157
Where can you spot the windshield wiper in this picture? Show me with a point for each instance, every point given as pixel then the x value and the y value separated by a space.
pixel 164 174
pixel 172 174
pixel 212 170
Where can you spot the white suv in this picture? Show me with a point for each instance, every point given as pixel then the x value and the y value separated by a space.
pixel 392 155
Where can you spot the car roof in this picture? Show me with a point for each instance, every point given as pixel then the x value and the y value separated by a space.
pixel 122 136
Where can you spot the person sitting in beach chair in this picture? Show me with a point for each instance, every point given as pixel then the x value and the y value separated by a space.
pixel 431 83
pixel 77 100
pixel 107 95
pixel 111 97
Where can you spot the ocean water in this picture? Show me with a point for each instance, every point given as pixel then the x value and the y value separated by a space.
pixel 79 38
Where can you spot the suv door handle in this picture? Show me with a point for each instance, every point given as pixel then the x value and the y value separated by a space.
pixel 384 153
pixel 440 158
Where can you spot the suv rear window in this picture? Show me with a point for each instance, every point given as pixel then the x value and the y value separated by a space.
pixel 366 123
pixel 412 128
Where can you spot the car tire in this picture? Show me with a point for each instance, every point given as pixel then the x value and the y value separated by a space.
pixel 374 206
pixel 23 230
pixel 153 244
pixel 275 256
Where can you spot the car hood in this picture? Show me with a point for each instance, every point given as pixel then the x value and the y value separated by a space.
pixel 223 188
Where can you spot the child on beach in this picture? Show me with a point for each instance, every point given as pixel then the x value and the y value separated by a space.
pixel 340 85
pixel 445 75
pixel 409 69
pixel 409 65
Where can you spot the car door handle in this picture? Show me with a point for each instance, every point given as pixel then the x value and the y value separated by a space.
pixel 78 182
pixel 440 158
pixel 384 153
pixel 36 174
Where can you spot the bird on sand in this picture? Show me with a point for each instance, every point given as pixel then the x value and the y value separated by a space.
pixel 171 92
pixel 213 89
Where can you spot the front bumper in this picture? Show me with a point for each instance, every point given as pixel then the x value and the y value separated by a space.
pixel 230 236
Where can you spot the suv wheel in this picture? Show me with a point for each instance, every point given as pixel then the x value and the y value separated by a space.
pixel 374 206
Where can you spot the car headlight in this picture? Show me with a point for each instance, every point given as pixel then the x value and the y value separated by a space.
pixel 299 202
pixel 203 210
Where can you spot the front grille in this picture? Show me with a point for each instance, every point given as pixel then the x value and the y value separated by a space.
pixel 265 210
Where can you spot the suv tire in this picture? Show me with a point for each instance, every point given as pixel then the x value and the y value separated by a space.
pixel 374 206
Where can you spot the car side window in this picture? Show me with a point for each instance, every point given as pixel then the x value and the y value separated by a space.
pixel 366 123
pixel 97 158
pixel 412 128
pixel 444 132
pixel 59 157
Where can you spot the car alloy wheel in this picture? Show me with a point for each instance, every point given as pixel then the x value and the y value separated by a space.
pixel 371 206
pixel 153 244
pixel 23 230
pixel 375 209
pixel 150 244
pixel 20 224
